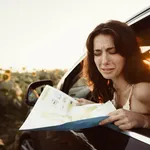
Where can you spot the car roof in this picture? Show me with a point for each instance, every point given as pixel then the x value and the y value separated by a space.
pixel 138 16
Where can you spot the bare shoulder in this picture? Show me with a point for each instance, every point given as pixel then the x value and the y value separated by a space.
pixel 142 91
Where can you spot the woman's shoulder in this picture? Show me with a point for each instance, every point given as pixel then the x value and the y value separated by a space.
pixel 142 91
pixel 142 84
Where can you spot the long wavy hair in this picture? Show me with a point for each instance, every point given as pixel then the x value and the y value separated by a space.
pixel 134 71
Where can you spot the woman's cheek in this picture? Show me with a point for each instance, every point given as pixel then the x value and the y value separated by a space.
pixel 97 62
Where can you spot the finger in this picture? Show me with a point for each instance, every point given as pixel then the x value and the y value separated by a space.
pixel 84 101
pixel 110 119
pixel 126 126
pixel 120 122
pixel 116 112
pixel 80 100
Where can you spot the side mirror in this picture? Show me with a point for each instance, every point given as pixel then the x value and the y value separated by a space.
pixel 34 90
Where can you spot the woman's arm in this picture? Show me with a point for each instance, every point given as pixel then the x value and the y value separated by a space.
pixel 142 96
pixel 139 117
pixel 126 120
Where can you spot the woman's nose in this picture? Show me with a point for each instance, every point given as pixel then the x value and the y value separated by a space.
pixel 105 59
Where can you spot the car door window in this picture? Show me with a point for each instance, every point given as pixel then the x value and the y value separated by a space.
pixel 142 30
pixel 79 89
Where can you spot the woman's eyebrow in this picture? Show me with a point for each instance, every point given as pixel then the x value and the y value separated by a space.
pixel 107 49
pixel 110 48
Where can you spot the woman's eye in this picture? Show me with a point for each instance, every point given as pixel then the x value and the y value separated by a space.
pixel 97 53
pixel 112 51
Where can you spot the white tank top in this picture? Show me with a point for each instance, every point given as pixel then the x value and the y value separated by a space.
pixel 127 105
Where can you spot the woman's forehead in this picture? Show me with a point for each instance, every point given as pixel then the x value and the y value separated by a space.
pixel 103 41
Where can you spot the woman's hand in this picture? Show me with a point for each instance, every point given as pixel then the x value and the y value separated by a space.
pixel 83 101
pixel 126 120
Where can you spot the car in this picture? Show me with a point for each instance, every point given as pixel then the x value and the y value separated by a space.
pixel 73 84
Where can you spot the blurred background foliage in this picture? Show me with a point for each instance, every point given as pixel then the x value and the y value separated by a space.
pixel 13 110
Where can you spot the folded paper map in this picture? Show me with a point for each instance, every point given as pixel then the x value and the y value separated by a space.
pixel 56 110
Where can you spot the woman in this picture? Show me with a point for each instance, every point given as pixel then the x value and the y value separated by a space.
pixel 115 70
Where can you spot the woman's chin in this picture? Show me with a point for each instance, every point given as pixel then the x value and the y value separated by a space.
pixel 108 76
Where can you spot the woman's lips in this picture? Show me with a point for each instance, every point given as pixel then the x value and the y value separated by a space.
pixel 107 70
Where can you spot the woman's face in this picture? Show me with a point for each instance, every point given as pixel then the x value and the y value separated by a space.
pixel 109 63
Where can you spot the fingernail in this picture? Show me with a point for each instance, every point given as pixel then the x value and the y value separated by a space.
pixel 100 123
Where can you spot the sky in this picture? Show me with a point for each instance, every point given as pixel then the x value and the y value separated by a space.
pixel 50 34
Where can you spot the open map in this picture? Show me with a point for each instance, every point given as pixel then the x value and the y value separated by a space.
pixel 55 110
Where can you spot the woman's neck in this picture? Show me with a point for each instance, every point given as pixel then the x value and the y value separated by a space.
pixel 120 84
pixel 122 91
